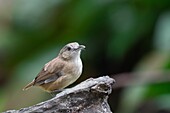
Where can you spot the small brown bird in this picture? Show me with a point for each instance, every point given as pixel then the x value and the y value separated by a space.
pixel 62 71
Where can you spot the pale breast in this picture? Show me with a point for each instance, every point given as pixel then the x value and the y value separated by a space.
pixel 79 66
pixel 74 68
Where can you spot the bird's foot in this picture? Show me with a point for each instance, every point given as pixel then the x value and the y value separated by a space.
pixel 53 93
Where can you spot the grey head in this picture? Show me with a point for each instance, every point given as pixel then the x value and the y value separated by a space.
pixel 71 51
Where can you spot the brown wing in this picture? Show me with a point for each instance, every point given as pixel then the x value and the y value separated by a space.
pixel 50 73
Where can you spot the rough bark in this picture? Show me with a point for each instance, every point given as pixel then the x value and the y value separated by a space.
pixel 89 96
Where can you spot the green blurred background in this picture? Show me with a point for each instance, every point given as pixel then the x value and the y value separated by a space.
pixel 128 40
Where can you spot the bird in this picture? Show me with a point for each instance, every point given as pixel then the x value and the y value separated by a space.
pixel 62 71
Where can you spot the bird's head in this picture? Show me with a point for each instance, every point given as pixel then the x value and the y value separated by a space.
pixel 71 51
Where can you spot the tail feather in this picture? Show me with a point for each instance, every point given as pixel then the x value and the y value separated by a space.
pixel 28 85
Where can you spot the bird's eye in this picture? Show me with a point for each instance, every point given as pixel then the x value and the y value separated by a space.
pixel 68 48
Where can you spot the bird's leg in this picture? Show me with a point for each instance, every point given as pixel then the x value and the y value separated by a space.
pixel 53 93
pixel 58 91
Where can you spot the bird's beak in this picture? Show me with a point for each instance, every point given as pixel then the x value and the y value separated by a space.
pixel 82 47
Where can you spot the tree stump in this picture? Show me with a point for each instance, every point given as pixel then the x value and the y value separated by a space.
pixel 90 96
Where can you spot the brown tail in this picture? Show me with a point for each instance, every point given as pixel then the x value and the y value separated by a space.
pixel 28 85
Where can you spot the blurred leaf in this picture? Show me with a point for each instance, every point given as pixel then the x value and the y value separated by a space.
pixel 34 14
pixel 162 34
pixel 163 101
pixel 131 99
pixel 3 100
pixel 127 25
pixel 156 90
